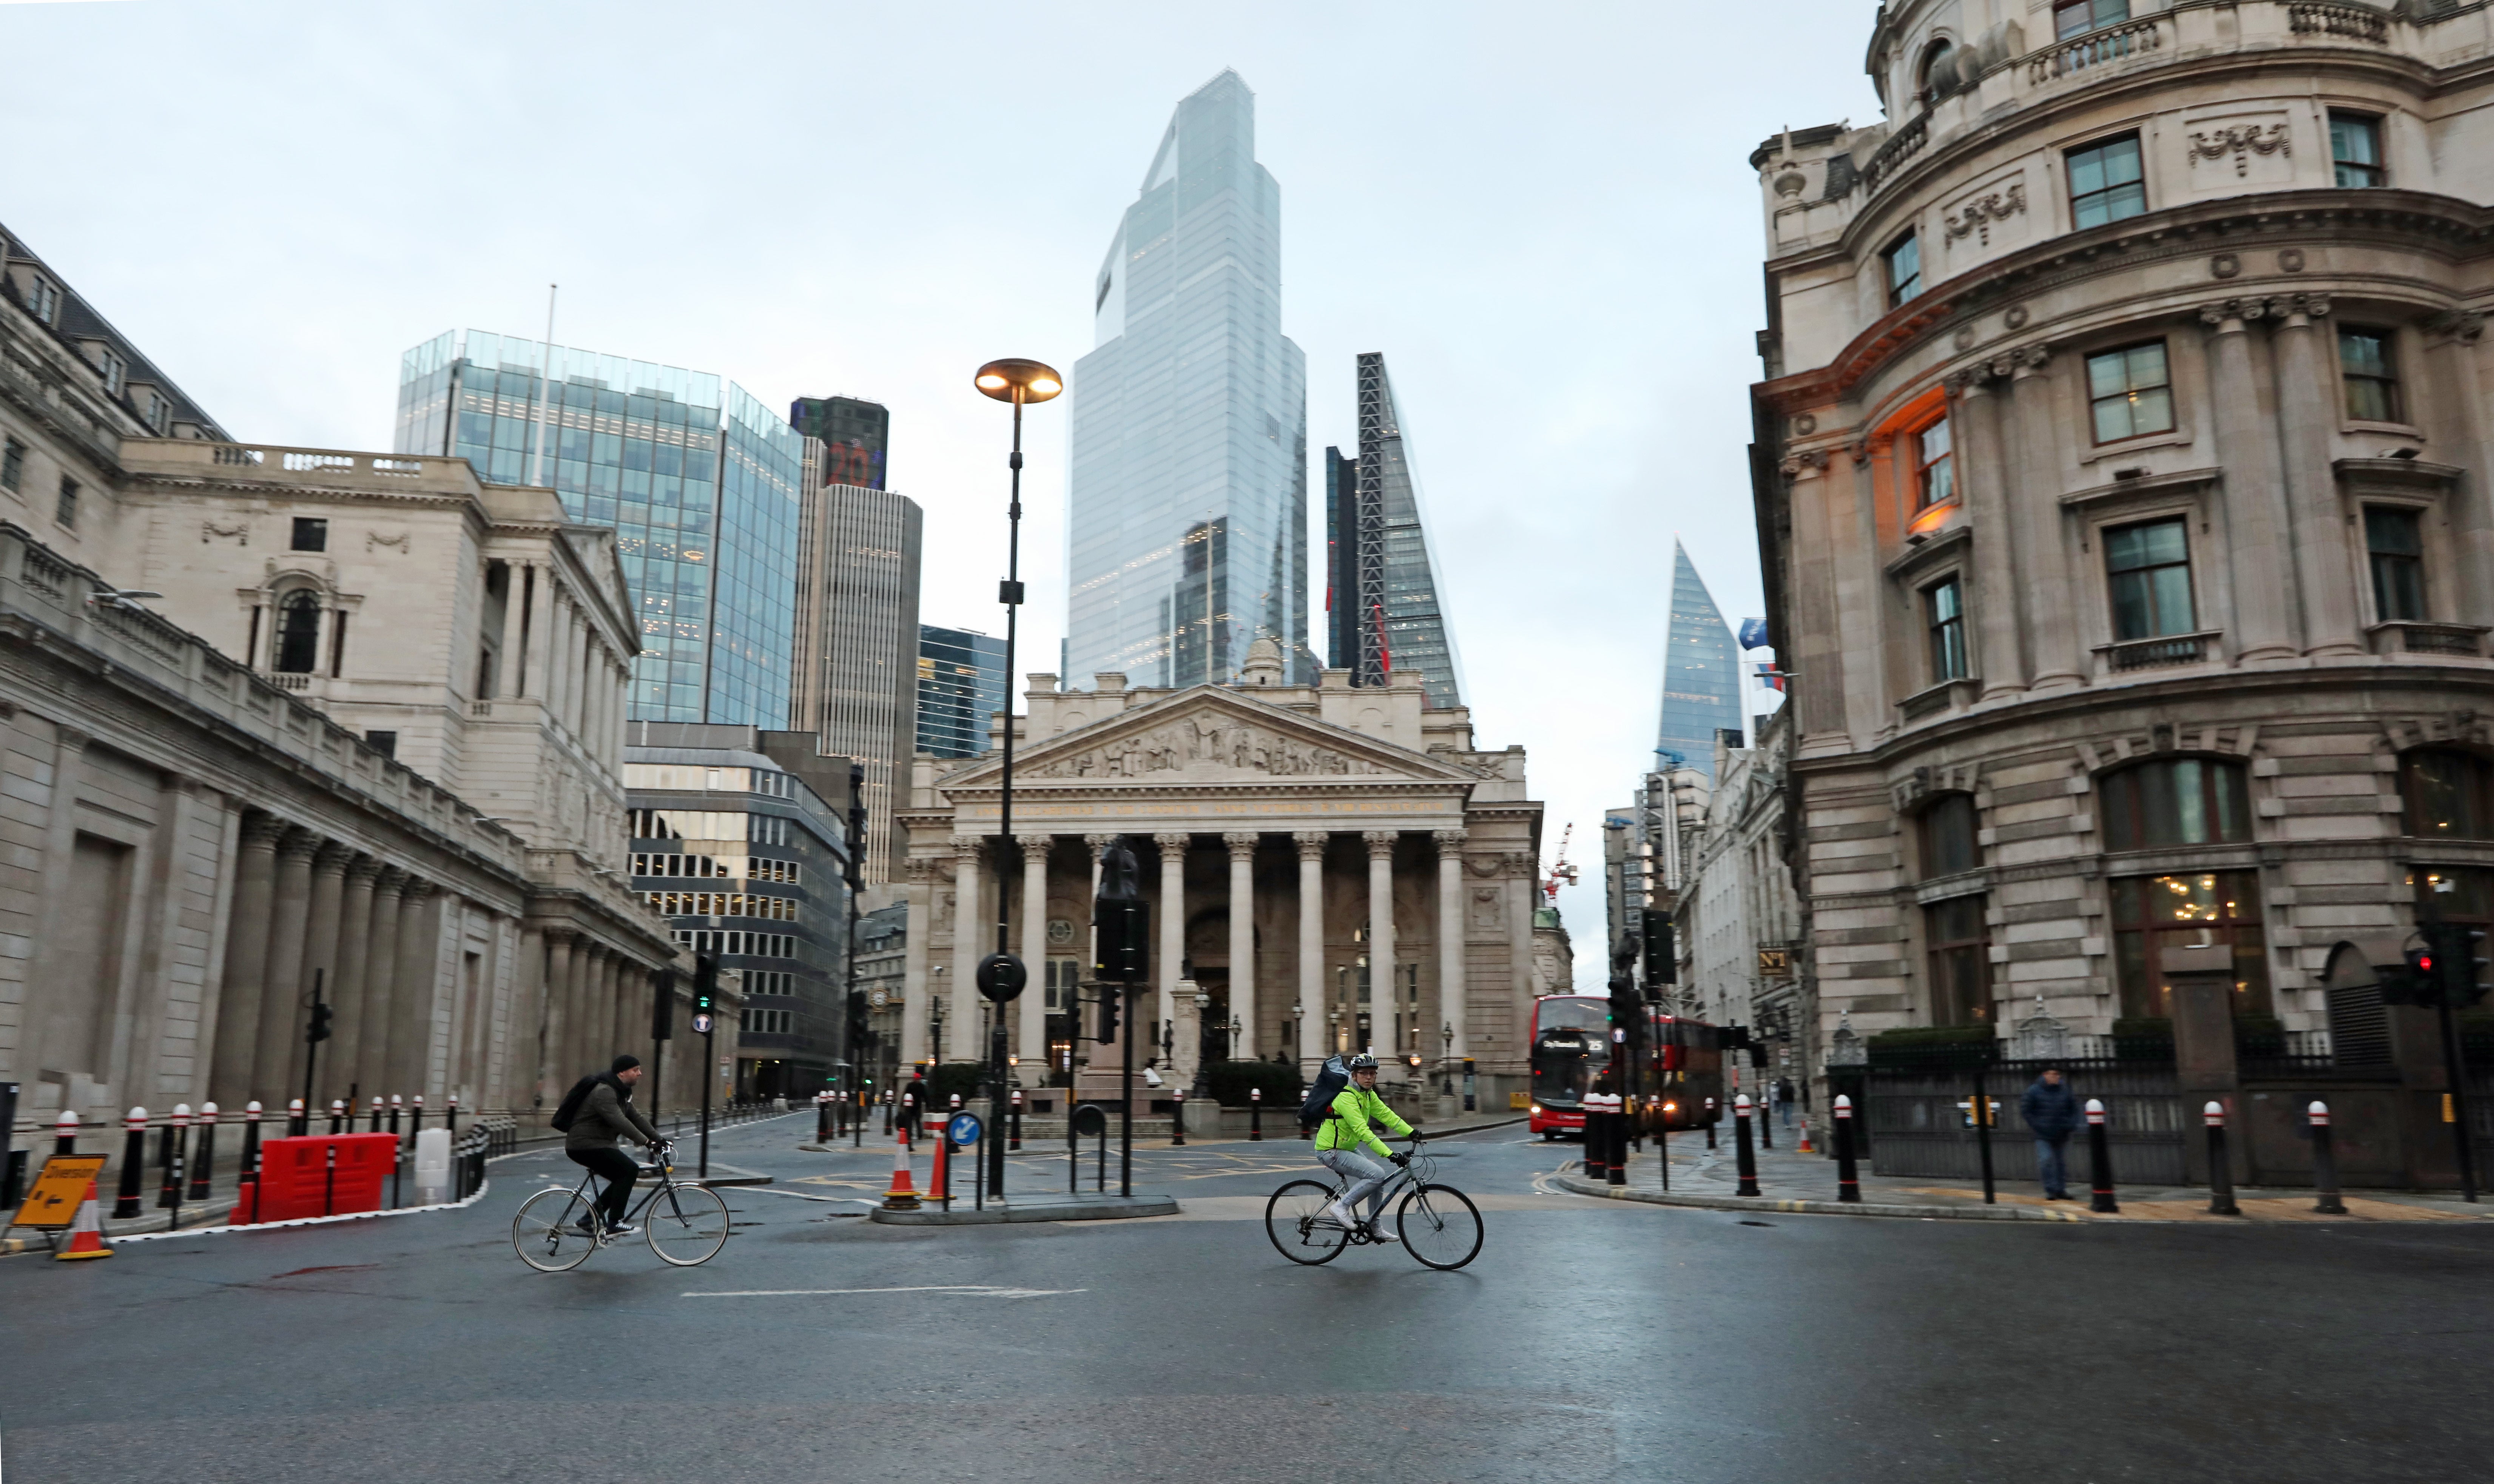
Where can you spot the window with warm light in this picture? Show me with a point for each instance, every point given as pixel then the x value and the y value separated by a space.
pixel 2446 794
pixel 2148 566
pixel 2106 183
pixel 1935 467
pixel 1904 263
pixel 2394 543
pixel 2130 392
pixel 2179 801
pixel 2154 912
pixel 1945 616
pixel 2372 379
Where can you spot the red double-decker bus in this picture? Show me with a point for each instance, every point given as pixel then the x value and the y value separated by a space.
pixel 1670 1075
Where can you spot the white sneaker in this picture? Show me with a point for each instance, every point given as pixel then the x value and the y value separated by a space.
pixel 1377 1232
pixel 1340 1217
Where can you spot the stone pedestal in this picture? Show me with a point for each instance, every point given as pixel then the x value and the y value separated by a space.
pixel 2203 981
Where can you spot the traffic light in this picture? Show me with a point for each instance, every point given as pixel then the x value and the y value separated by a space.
pixel 856 828
pixel 705 984
pixel 1662 964
pixel 321 1014
pixel 857 1009
pixel 663 1016
pixel 1125 940
pixel 1111 997
pixel 2463 964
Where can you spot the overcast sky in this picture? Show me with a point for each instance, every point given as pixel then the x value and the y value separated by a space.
pixel 1543 216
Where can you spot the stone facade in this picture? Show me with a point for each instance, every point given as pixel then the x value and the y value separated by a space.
pixel 1301 833
pixel 282 717
pixel 2122 491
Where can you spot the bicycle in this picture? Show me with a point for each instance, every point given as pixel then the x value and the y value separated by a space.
pixel 684 1225
pixel 1439 1224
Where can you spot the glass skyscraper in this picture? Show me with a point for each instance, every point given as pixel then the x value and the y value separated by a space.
pixel 1187 528
pixel 1382 592
pixel 1701 673
pixel 700 481
pixel 960 687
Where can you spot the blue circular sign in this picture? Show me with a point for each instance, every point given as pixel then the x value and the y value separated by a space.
pixel 963 1129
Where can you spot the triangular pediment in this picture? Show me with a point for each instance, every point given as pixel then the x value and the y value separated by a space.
pixel 1211 734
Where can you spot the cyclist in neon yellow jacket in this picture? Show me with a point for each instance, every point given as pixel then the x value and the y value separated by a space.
pixel 1344 1140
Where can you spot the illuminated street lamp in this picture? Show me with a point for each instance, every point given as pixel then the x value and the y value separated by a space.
pixel 1002 976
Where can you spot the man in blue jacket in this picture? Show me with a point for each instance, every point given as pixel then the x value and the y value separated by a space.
pixel 2052 1112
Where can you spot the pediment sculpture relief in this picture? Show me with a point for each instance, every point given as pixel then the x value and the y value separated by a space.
pixel 1219 741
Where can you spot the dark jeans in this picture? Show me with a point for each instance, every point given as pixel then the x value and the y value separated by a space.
pixel 618 1169
pixel 2051 1162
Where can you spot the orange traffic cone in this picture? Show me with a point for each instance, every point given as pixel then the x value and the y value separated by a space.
pixel 1805 1136
pixel 902 1197
pixel 87 1233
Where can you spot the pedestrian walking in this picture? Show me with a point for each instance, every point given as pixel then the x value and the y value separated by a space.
pixel 2051 1114
pixel 1784 1099
pixel 913 1102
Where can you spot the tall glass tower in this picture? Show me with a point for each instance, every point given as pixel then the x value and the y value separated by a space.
pixel 1701 673
pixel 1187 532
pixel 960 689
pixel 700 481
pixel 1387 608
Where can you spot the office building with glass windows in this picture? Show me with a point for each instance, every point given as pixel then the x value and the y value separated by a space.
pixel 700 482
pixel 961 685
pixel 854 434
pixel 1187 523
pixel 1383 593
pixel 1701 675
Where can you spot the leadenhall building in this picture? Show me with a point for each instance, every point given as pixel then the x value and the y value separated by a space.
pixel 2122 473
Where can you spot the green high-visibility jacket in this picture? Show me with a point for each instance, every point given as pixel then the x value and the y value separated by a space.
pixel 1353 1112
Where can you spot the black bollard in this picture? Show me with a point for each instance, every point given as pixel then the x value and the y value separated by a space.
pixel 65 1133
pixel 2100 1157
pixel 1710 1123
pixel 396 1108
pixel 338 1116
pixel 1662 1143
pixel 1597 1152
pixel 1177 1119
pixel 1255 1115
pixel 2324 1162
pixel 1766 1124
pixel 1848 1175
pixel 203 1162
pixel 169 1149
pixel 376 1125
pixel 1981 1108
pixel 250 1166
pixel 2221 1175
pixel 134 1160
pixel 1013 1133
pixel 450 1116
pixel 1616 1170
pixel 298 1122
pixel 1747 1158
pixel 415 1113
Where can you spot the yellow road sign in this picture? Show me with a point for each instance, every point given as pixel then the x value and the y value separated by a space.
pixel 52 1205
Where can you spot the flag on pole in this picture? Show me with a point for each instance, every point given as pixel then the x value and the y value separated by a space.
pixel 1754 634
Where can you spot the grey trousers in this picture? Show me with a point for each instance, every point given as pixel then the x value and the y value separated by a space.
pixel 1367 1176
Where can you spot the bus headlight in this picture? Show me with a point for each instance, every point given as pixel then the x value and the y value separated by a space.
pixel 1537 1110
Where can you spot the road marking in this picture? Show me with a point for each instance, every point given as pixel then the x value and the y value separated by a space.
pixel 968 1290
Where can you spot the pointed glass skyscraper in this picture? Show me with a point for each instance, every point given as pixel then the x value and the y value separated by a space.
pixel 1187 523
pixel 1389 614
pixel 1701 673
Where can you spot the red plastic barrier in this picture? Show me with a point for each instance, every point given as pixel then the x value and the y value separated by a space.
pixel 296 1178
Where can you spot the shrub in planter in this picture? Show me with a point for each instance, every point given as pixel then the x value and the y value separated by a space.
pixel 1230 1080
pixel 952 1078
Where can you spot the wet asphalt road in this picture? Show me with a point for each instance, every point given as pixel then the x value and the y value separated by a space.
pixel 1588 1342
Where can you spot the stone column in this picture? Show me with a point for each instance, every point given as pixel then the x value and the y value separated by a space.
pixel 554 1078
pixel 1243 942
pixel 347 986
pixel 1310 1021
pixel 370 1030
pixel 961 1012
pixel 1521 868
pixel 2450 351
pixel 2256 525
pixel 610 995
pixel 2307 405
pixel 246 962
pixel 1819 694
pixel 411 1036
pixel 1450 942
pixel 321 931
pixel 1172 910
pixel 2043 555
pixel 1381 928
pixel 1997 587
pixel 1032 1037
pixel 281 1008
pixel 918 888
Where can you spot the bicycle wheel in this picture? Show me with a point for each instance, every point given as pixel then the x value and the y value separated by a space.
pixel 1440 1227
pixel 547 1234
pixel 686 1224
pixel 1295 1220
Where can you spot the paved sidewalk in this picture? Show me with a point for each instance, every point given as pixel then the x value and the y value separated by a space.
pixel 1793 1181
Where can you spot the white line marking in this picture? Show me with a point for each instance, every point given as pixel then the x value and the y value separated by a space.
pixel 972 1291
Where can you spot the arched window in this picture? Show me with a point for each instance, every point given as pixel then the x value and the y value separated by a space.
pixel 1948 837
pixel 298 632
pixel 1936 78
pixel 2447 793
pixel 2182 801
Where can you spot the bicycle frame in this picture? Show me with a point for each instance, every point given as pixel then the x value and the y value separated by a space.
pixel 663 1182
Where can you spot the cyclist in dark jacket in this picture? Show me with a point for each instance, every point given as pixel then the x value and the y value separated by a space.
pixel 2052 1112
pixel 606 1116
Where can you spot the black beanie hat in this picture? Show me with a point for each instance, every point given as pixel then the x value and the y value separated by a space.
pixel 625 1063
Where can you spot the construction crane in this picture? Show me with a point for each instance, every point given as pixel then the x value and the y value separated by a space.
pixel 1562 874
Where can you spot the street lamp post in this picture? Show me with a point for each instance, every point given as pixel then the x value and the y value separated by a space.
pixel 1299 1036
pixel 1002 976
pixel 1446 1061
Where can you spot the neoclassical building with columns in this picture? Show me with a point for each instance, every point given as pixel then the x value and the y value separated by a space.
pixel 1329 867
pixel 2122 470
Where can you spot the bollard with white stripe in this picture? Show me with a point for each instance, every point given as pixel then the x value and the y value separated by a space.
pixel 1747 1158
pixel 203 1163
pixel 134 1160
pixel 2324 1162
pixel 65 1131
pixel 2100 1156
pixel 172 1145
pixel 2221 1174
pixel 1848 1175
